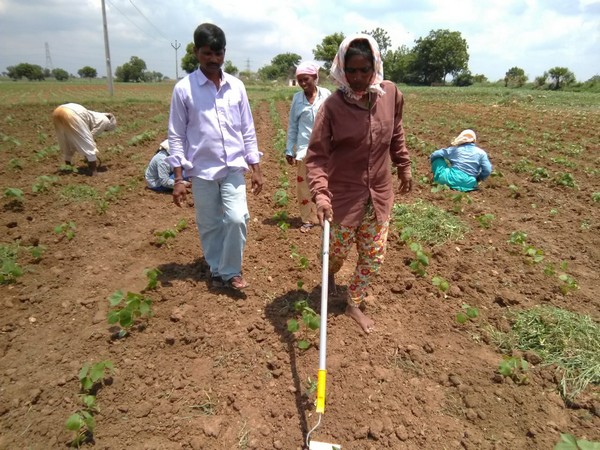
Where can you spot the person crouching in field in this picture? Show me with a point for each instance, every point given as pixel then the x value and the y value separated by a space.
pixel 159 173
pixel 76 127
pixel 467 163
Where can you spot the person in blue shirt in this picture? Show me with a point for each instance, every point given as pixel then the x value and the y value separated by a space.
pixel 303 110
pixel 159 174
pixel 461 166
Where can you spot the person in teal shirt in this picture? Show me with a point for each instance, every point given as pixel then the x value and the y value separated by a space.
pixel 462 165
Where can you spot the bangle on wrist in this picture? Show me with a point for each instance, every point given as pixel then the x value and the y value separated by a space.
pixel 178 182
pixel 178 179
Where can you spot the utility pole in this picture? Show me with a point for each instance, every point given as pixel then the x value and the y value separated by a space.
pixel 107 52
pixel 176 47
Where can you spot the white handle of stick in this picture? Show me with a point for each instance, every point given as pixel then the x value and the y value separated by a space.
pixel 324 295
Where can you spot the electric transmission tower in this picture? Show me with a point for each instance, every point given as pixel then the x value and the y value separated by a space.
pixel 176 47
pixel 49 64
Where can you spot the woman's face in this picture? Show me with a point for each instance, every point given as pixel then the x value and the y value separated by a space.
pixel 359 72
pixel 307 82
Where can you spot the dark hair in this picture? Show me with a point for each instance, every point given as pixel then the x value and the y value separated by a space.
pixel 359 47
pixel 211 35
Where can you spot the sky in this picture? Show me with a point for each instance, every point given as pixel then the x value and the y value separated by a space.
pixel 535 35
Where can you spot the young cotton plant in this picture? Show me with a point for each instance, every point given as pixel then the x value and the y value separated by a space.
pixel 133 306
pixel 310 319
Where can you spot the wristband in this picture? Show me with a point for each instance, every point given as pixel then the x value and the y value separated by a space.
pixel 178 182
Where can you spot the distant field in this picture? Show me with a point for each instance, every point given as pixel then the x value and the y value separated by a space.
pixel 52 92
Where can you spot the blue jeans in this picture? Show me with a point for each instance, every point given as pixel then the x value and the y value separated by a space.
pixel 221 218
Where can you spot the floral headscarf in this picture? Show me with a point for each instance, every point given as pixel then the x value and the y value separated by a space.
pixel 339 76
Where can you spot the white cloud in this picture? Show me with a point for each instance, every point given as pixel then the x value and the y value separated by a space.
pixel 532 34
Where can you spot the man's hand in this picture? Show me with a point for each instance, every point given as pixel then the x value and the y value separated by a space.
pixel 290 160
pixel 256 179
pixel 404 182
pixel 179 194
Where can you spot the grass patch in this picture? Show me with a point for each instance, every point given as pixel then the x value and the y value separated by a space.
pixel 427 223
pixel 566 339
pixel 79 193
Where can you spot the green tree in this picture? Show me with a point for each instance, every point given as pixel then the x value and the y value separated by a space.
pixel 60 74
pixel 282 66
pixel 560 76
pixel 382 38
pixel 441 53
pixel 230 68
pixel 397 64
pixel 132 71
pixel 515 77
pixel 189 62
pixel 87 72
pixel 327 49
pixel 25 70
pixel 463 78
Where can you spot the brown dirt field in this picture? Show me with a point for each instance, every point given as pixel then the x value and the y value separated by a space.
pixel 212 370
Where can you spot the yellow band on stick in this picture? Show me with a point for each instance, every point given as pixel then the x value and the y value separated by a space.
pixel 321 379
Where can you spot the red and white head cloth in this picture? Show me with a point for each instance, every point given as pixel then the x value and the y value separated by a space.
pixel 338 74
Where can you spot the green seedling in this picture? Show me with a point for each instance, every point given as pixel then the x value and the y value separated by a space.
pixel 68 168
pixel 485 220
pixel 514 191
pixel 15 194
pixel 565 179
pixel 282 220
pixel 514 368
pixel 181 225
pixel 44 183
pixel 311 385
pixel 9 269
pixel 82 425
pixel 134 306
pixel 596 197
pixel 539 174
pixel 468 313
pixel 299 285
pixel 570 442
pixel 162 237
pixel 303 262
pixel 112 193
pixel 36 252
pixel 439 188
pixel 458 199
pixel 90 374
pixel 517 238
pixel 549 270
pixel 15 164
pixel 284 182
pixel 67 229
pixel 569 283
pixel 142 138
pixel 152 276
pixel 440 283
pixel 281 197
pixel 310 319
pixel 535 255
pixel 419 264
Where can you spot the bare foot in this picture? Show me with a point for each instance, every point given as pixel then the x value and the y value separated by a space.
pixel 365 322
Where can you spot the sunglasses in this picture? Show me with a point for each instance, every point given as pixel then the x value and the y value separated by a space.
pixel 357 69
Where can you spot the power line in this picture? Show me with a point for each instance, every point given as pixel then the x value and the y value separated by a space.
pixel 148 20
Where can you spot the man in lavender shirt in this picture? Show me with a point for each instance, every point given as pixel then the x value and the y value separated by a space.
pixel 212 137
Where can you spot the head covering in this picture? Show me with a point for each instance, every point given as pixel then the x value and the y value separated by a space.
pixel 164 145
pixel 308 68
pixel 112 122
pixel 339 75
pixel 464 137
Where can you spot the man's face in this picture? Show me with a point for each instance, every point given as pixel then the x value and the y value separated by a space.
pixel 210 60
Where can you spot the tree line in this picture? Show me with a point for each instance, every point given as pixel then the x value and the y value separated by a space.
pixel 430 61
